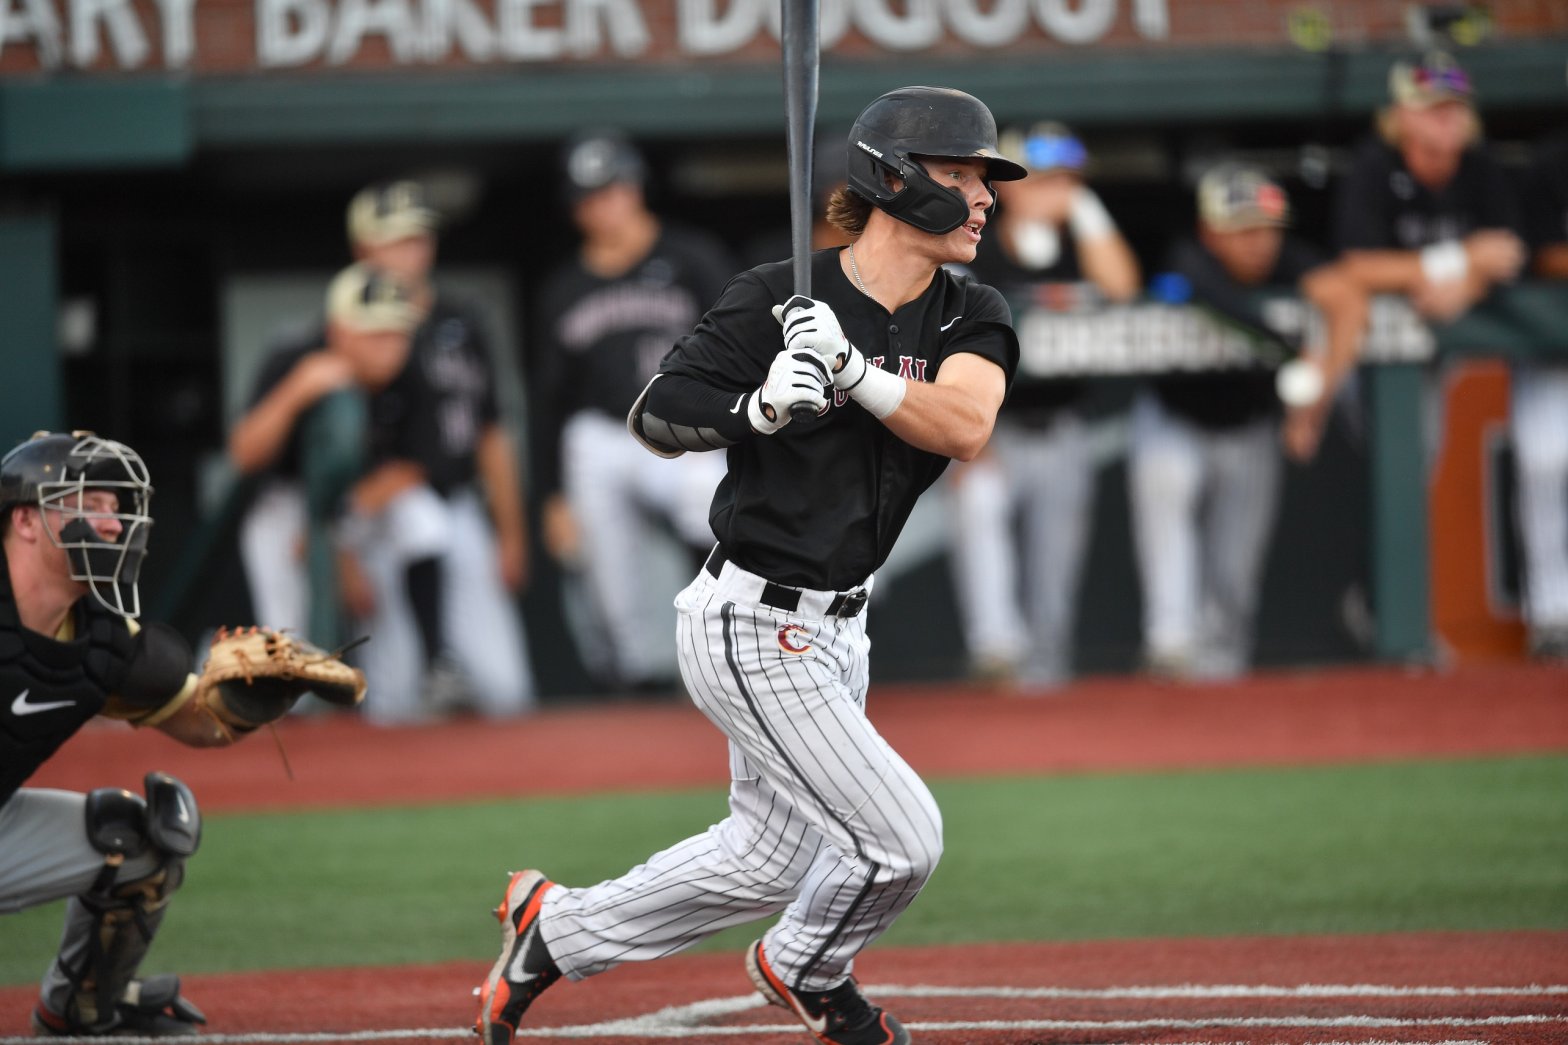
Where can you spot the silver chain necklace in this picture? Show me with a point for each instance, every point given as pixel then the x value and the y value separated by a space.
pixel 855 270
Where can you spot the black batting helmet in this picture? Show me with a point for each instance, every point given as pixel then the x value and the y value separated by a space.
pixel 52 471
pixel 923 121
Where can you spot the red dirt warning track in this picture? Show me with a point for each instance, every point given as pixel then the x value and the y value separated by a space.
pixel 1341 715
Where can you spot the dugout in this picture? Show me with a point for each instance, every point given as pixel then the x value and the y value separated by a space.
pixel 155 157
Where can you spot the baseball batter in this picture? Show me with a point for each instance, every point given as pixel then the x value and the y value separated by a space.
pixel 74 522
pixel 904 366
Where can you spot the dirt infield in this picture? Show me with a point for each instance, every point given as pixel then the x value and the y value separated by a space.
pixel 1505 988
pixel 1340 715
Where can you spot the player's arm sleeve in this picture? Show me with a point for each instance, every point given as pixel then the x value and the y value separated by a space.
pixel 490 398
pixel 698 399
pixel 157 680
pixel 549 397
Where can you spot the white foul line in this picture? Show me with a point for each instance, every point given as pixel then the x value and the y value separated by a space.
pixel 692 1020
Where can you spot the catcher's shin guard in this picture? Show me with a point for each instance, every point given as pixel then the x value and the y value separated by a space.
pixel 109 929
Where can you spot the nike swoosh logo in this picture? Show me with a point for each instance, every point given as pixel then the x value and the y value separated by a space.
pixel 179 802
pixel 738 401
pixel 21 705
pixel 950 322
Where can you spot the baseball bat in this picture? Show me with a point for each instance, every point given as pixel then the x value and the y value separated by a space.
pixel 799 35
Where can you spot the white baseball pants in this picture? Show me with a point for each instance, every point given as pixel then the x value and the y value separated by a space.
pixel 1203 505
pixel 1540 436
pixel 1018 588
pixel 612 485
pixel 827 824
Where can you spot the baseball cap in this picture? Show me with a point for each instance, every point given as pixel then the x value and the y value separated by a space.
pixel 371 300
pixel 1436 78
pixel 1045 147
pixel 1236 196
pixel 390 211
pixel 596 159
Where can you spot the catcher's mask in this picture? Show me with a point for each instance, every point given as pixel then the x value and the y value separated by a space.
pixel 55 471
pixel 923 121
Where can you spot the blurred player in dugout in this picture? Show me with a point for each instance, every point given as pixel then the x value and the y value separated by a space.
pixel 1428 213
pixel 1204 465
pixel 1052 246
pixel 434 546
pixel 1540 418
pixel 605 318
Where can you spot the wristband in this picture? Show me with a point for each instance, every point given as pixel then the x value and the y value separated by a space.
pixel 878 391
pixel 1088 217
pixel 1444 262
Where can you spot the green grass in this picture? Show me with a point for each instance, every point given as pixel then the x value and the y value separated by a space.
pixel 1439 845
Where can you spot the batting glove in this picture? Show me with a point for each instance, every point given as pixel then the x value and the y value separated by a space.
pixel 811 325
pixel 798 378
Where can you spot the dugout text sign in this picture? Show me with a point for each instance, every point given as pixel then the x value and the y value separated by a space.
pixel 246 36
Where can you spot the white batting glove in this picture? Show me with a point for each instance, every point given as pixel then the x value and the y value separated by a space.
pixel 812 325
pixel 796 378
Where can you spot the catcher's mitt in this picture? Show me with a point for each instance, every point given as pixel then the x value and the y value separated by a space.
pixel 254 675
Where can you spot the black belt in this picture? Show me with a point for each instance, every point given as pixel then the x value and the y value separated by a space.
pixel 782 597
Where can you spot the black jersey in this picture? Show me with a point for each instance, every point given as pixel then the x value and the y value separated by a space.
pixel 600 340
pixel 434 412
pixel 1230 398
pixel 1381 207
pixel 50 688
pixel 819 503
pixel 1034 401
pixel 1546 194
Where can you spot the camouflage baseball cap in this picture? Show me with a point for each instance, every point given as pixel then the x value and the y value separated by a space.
pixel 370 300
pixel 391 211
pixel 1236 196
pixel 1436 78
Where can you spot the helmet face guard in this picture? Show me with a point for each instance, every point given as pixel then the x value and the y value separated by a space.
pixel 903 125
pixel 61 477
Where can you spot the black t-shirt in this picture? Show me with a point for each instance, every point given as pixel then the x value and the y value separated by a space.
pixel 820 503
pixel 1546 194
pixel 600 340
pixel 1033 401
pixel 1231 398
pixel 435 410
pixel 1381 207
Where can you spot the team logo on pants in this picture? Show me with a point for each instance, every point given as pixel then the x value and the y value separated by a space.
pixel 789 635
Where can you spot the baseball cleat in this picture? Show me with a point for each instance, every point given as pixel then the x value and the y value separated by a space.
pixel 524 969
pixel 838 1016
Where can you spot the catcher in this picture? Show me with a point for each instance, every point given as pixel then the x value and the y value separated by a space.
pixel 73 533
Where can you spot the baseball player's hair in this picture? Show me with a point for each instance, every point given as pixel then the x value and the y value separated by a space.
pixel 848 211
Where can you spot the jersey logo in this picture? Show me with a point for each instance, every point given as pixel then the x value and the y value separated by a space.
pixel 738 401
pixel 790 634
pixel 21 705
pixel 950 322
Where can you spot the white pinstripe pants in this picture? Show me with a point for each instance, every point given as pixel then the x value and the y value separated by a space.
pixel 827 824
pixel 1540 431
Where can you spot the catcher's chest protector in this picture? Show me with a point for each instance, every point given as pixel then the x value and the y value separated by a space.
pixel 49 689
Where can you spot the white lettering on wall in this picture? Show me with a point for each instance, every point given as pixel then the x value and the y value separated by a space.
pixel 80 33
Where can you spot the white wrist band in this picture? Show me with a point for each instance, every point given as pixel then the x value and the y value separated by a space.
pixel 1444 262
pixel 879 391
pixel 1088 217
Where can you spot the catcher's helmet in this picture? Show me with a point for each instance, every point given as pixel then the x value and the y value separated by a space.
pixel 53 470
pixel 922 121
